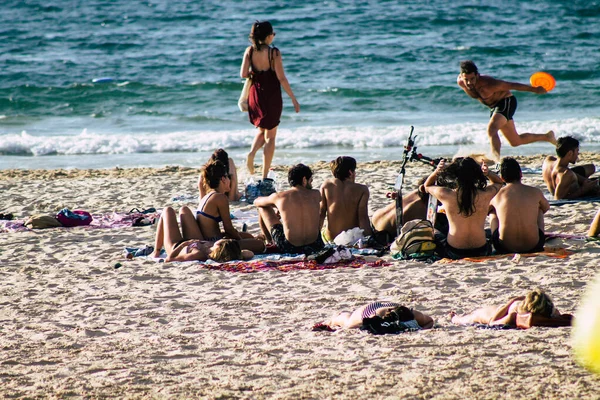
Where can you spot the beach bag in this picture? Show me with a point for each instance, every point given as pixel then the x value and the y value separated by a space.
pixel 243 100
pixel 261 188
pixel 42 222
pixel 416 241
pixel 70 218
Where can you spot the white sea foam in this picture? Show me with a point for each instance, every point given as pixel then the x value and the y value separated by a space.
pixel 310 137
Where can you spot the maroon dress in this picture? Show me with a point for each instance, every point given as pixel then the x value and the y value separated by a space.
pixel 264 99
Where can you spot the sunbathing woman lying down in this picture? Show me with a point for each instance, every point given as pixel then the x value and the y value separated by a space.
pixel 189 245
pixel 534 309
pixel 388 314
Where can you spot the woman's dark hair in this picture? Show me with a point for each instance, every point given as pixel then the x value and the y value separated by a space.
pixel 469 178
pixel 221 155
pixel 259 32
pixel 296 173
pixel 342 166
pixel 399 313
pixel 212 172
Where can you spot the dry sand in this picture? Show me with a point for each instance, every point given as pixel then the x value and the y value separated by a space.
pixel 73 325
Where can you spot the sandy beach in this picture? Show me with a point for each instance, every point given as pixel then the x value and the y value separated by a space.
pixel 73 325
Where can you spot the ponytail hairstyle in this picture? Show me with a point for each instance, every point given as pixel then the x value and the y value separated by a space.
pixel 342 166
pixel 258 33
pixel 469 178
pixel 212 173
pixel 221 155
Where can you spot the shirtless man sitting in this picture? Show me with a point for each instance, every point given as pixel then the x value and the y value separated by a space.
pixel 517 213
pixel 564 182
pixel 343 201
pixel 496 94
pixel 297 231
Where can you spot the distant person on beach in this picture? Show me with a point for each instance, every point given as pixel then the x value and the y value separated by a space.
pixel 536 302
pixel 189 244
pixel 496 94
pixel 343 201
pixel 407 319
pixel 414 206
pixel 262 63
pixel 564 182
pixel 233 193
pixel 466 206
pixel 296 229
pixel 517 213
pixel 214 209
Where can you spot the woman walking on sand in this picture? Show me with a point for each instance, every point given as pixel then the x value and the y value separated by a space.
pixel 263 64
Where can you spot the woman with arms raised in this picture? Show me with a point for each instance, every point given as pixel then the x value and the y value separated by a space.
pixel 466 205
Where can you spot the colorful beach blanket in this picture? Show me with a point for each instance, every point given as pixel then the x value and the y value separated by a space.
pixel 263 262
pixel 553 252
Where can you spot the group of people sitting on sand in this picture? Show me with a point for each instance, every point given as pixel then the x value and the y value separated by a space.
pixel 534 309
pixel 293 220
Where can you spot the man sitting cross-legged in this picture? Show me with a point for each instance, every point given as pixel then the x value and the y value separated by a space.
pixel 517 213
pixel 296 229
pixel 343 201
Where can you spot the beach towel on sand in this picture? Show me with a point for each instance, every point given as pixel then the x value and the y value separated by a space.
pixel 268 262
pixel 553 252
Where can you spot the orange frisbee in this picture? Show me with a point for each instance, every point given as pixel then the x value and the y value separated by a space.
pixel 543 79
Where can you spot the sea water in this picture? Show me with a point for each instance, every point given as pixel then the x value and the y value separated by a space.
pixel 96 84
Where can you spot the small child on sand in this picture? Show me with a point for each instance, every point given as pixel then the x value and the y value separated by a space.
pixel 536 303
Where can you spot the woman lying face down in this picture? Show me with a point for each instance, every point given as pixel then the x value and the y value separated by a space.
pixel 378 313
pixel 536 302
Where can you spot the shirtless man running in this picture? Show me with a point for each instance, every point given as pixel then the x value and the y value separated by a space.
pixel 496 94
pixel 564 182
pixel 297 231
pixel 517 213
pixel 343 201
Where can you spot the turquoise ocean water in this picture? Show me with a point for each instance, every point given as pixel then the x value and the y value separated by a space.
pixel 363 72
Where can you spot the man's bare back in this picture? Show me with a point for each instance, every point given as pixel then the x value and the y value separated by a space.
pixel 299 211
pixel 346 205
pixel 519 210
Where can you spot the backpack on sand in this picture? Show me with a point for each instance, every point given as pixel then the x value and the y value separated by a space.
pixel 416 241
